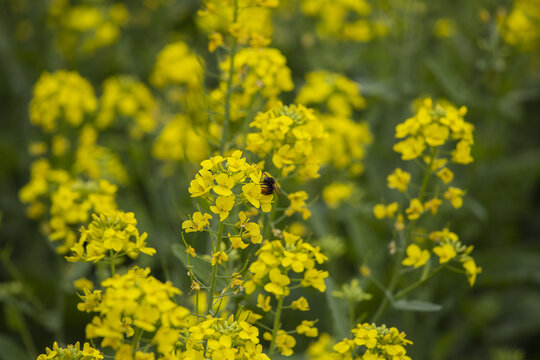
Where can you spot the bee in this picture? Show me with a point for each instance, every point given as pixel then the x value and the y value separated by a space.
pixel 269 186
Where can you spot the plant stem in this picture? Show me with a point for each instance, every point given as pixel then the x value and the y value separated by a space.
pixel 227 118
pixel 210 298
pixel 136 339
pixel 277 325
pixel 407 290
pixel 401 249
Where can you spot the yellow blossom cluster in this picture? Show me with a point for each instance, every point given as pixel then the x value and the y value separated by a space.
pixel 290 134
pixel 276 258
pixel 71 205
pixel 113 232
pixel 521 27
pixel 218 178
pixel 71 352
pixel 447 247
pixel 223 339
pixel 431 127
pixel 71 200
pixel 87 27
pixel 256 71
pixel 43 179
pixel 177 65
pixel 179 140
pixel 344 19
pixel 62 95
pixel 133 303
pixel 247 21
pixel 374 342
pixel 425 133
pixel 335 193
pixel 97 162
pixel 340 95
pixel 124 97
pixel 345 146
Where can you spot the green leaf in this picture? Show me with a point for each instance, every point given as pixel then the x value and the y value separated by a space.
pixel 416 305
pixel 338 310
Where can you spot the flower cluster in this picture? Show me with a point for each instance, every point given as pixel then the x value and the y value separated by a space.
pixel 340 95
pixel 425 133
pixel 72 352
pixel 343 19
pixel 431 127
pixel 520 27
pixel 219 338
pixel 374 342
pixel 261 71
pixel 176 64
pixel 63 95
pixel 134 303
pixel 290 134
pixel 247 21
pixel 43 178
pixel 71 205
pixel 345 146
pixel 126 97
pixel 218 178
pixel 179 140
pixel 87 27
pixel 111 232
pixel 447 247
pixel 276 258
pixel 335 193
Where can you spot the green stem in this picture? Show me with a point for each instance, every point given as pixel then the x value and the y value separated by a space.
pixel 407 290
pixel 401 249
pixel 136 340
pixel 210 298
pixel 427 174
pixel 227 119
pixel 277 325
pixel 111 255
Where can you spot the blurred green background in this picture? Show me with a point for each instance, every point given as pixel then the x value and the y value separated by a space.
pixel 498 319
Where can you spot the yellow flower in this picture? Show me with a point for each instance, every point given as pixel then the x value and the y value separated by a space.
pixel 414 210
pixel 61 95
pixel 177 65
pixel 445 252
pixel 301 304
pixel 83 284
pixel 399 180
pixel 306 328
pixel 410 148
pixel 415 256
pixel 436 134
pixel 236 242
pixel 462 153
pixel 445 174
pixel 381 211
pixel 277 282
pixel 263 302
pixel 455 195
pixel 224 204
pixel 433 205
pixel 218 257
pixel 471 270
pixel 198 222
pixel 335 193
pixel 298 204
